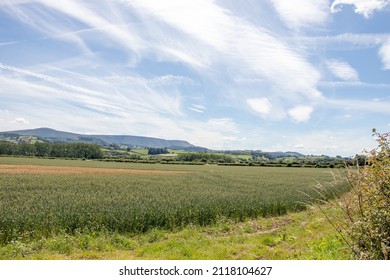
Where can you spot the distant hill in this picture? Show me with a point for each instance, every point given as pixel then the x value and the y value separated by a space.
pixel 51 135
pixel 43 133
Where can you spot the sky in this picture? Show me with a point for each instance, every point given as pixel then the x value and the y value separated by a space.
pixel 272 75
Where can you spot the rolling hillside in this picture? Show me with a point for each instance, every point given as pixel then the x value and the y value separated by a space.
pixel 51 135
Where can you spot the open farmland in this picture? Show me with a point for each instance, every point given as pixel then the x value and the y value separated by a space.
pixel 135 198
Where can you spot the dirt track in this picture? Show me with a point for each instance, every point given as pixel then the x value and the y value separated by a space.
pixel 38 169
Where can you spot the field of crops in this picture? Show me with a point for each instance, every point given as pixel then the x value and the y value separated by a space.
pixel 41 204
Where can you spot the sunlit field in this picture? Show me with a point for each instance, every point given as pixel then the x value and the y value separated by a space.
pixel 42 201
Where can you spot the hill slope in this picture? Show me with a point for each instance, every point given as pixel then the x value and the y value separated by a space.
pixel 51 135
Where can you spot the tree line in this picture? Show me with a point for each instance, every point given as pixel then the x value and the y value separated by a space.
pixel 157 151
pixel 205 157
pixel 40 149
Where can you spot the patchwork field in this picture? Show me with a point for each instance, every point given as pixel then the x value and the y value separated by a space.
pixel 40 198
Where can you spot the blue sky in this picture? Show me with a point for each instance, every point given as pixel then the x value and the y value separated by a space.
pixel 306 76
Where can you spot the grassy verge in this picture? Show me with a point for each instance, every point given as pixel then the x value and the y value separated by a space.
pixel 302 235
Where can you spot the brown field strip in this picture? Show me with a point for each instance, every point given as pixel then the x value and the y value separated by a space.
pixel 39 169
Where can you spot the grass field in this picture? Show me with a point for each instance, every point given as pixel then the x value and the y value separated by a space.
pixel 50 202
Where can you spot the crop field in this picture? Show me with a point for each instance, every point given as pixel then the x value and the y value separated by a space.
pixel 43 197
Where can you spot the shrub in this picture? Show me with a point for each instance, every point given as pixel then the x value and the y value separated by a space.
pixel 366 223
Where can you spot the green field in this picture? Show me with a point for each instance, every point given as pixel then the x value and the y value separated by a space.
pixel 34 206
pixel 303 235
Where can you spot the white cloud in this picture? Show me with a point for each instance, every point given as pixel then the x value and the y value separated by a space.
pixel 20 120
pixel 260 105
pixel 363 7
pixel 300 113
pixel 342 70
pixel 299 14
pixel 384 54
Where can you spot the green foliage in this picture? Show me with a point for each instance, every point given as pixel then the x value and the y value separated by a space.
pixel 205 157
pixel 157 151
pixel 369 211
pixel 40 149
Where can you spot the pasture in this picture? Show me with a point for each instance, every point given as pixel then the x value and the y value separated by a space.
pixel 40 198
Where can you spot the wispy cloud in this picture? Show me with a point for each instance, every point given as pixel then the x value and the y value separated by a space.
pixel 158 81
pixel 197 108
pixel 207 44
pixel 104 18
pixel 213 32
pixel 133 107
pixel 341 84
pixel 137 92
pixel 171 80
pixel 363 106
pixel 342 70
pixel 8 43
pixel 344 41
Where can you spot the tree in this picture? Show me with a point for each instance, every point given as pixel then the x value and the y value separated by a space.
pixel 360 160
pixel 71 150
pixel 157 151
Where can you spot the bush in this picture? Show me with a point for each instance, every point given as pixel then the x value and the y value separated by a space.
pixel 368 208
